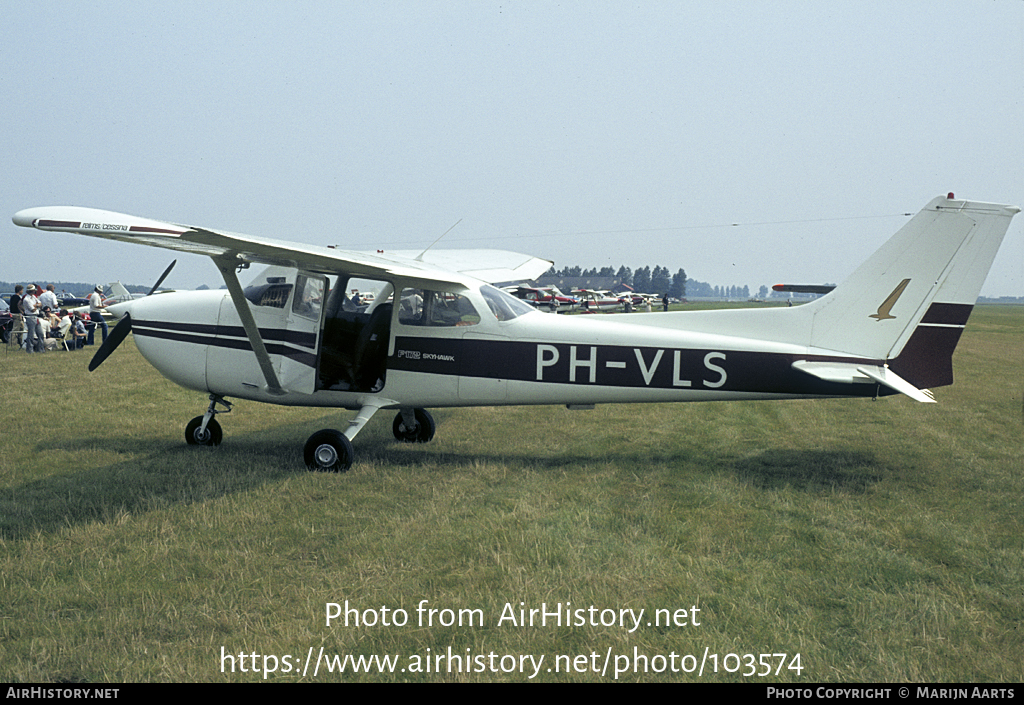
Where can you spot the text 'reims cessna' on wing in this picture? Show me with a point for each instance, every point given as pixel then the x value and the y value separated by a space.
pixel 436 334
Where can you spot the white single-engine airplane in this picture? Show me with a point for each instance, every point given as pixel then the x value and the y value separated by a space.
pixel 437 335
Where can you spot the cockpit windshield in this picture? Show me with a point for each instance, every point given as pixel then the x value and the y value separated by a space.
pixel 505 307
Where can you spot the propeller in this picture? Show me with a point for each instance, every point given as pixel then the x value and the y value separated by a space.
pixel 123 327
pixel 162 277
pixel 116 337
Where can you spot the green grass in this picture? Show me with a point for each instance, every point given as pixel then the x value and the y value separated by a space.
pixel 882 541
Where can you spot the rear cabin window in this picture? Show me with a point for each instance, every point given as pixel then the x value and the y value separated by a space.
pixel 273 293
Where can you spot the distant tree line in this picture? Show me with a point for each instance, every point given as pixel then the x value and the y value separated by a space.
pixel 76 288
pixel 645 280
pixel 705 290
pixel 658 281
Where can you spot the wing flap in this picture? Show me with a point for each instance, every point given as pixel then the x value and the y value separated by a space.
pixel 484 264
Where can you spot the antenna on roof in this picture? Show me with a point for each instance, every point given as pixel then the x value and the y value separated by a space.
pixel 420 257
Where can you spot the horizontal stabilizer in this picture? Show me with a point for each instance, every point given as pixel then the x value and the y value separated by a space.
pixel 841 372
pixel 804 288
pixel 852 373
pixel 883 375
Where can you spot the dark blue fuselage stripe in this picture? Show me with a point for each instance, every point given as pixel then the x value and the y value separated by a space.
pixel 621 366
pixel 215 336
pixel 307 340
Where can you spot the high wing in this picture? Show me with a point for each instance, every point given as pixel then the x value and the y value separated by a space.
pixel 228 248
pixel 232 250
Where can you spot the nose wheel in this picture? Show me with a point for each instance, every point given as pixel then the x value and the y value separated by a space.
pixel 204 430
pixel 196 435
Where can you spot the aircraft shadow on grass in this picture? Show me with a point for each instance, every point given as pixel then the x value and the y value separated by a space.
pixel 813 470
pixel 67 500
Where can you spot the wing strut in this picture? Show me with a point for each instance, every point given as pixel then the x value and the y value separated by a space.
pixel 227 270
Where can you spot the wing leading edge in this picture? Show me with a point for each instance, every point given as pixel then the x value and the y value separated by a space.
pixel 433 268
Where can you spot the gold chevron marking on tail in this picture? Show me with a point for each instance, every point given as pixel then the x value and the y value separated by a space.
pixel 883 310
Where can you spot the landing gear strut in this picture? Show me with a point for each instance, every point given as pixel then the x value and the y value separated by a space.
pixel 326 450
pixel 204 430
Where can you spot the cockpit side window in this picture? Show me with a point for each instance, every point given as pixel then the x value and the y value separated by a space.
pixel 423 307
pixel 273 292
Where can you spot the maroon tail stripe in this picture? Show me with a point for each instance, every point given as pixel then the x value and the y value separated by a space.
pixel 948 314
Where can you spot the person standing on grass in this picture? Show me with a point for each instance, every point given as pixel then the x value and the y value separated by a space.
pixel 18 321
pixel 16 300
pixel 96 314
pixel 30 307
pixel 49 298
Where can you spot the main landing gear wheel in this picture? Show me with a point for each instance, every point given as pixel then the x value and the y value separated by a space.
pixel 421 432
pixel 195 436
pixel 328 451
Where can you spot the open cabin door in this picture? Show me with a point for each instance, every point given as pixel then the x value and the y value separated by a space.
pixel 356 335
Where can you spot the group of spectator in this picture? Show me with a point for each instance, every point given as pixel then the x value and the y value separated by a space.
pixel 37 323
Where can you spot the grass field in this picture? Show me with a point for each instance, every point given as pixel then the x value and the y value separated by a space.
pixel 880 541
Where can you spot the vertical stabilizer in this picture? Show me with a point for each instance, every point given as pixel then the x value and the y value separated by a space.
pixel 118 292
pixel 909 302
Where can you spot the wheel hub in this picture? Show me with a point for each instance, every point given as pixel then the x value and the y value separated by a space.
pixel 326 455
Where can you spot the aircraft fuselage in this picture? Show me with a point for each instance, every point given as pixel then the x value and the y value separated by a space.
pixel 196 340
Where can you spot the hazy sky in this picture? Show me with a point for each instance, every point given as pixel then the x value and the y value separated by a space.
pixel 588 133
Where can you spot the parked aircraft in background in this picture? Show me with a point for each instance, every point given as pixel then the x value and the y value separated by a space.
pixel 544 299
pixel 593 300
pixel 118 294
pixel 438 335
